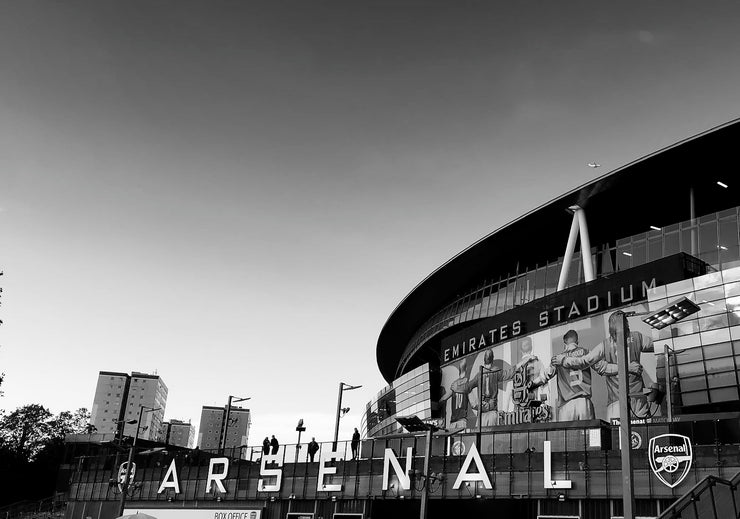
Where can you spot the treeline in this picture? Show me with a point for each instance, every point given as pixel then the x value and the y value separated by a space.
pixel 32 448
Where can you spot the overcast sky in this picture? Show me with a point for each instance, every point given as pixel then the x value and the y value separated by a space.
pixel 237 194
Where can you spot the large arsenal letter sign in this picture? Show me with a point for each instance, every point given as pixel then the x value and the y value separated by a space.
pixel 670 457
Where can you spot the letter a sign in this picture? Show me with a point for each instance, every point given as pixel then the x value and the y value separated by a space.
pixel 670 458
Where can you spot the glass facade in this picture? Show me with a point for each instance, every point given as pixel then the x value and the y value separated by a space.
pixel 408 395
pixel 712 238
pixel 704 348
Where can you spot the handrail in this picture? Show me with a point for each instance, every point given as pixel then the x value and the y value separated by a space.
pixel 695 493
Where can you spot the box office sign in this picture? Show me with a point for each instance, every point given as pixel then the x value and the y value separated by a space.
pixel 179 513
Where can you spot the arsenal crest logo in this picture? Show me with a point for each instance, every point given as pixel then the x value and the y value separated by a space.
pixel 122 474
pixel 670 457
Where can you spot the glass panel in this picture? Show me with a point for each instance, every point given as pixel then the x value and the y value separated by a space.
pixel 520 295
pixel 714 336
pixel 713 322
pixel 717 365
pixel 691 368
pixel 493 299
pixel 718 350
pixel 639 253
pixel 711 307
pixel 732 289
pixel 729 252
pixel 687 237
pixel 708 280
pixel 655 248
pixel 695 398
pixel 553 273
pixel 685 327
pixel 540 282
pixel 501 297
pixel 710 294
pixel 708 249
pixel 575 270
pixel 680 288
pixel 721 379
pixel 692 383
pixel 671 241
pixel 687 342
pixel 529 286
pixel 502 443
pixel 723 395
pixel 624 256
pixel 732 274
pixel 607 265
pixel 510 294
pixel 691 355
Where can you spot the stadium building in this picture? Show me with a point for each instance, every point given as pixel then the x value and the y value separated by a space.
pixel 513 352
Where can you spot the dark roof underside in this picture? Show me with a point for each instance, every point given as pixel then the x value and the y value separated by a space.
pixel 653 190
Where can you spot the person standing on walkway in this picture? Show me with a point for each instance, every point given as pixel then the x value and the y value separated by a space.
pixel 274 444
pixel 355 443
pixel 313 448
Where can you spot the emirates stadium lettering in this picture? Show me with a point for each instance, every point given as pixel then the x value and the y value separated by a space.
pixel 559 308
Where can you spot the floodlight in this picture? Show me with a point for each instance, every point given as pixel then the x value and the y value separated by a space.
pixel 672 313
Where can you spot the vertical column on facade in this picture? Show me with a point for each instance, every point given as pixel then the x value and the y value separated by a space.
pixel 569 248
pixel 692 216
pixel 588 265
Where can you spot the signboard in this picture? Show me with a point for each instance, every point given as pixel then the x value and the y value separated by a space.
pixel 122 474
pixel 670 457
pixel 560 374
pixel 617 290
pixel 201 513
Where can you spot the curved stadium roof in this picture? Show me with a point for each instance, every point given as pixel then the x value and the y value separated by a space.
pixel 653 190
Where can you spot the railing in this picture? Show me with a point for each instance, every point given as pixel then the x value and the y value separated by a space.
pixel 711 498
pixel 585 453
pixel 50 507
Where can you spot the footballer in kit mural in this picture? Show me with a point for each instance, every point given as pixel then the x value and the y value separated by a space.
pixel 565 373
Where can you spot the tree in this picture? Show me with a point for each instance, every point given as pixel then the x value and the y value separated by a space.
pixel 69 423
pixel 32 447
pixel 25 430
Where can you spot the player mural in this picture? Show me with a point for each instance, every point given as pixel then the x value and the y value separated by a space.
pixel 564 373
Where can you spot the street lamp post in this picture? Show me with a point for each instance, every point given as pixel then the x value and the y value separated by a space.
pixel 299 429
pixel 222 440
pixel 625 429
pixel 124 488
pixel 342 387
pixel 120 424
pixel 666 316
pixel 413 424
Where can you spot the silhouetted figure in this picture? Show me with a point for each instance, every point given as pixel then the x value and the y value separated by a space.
pixel 266 446
pixel 355 443
pixel 313 448
pixel 274 444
